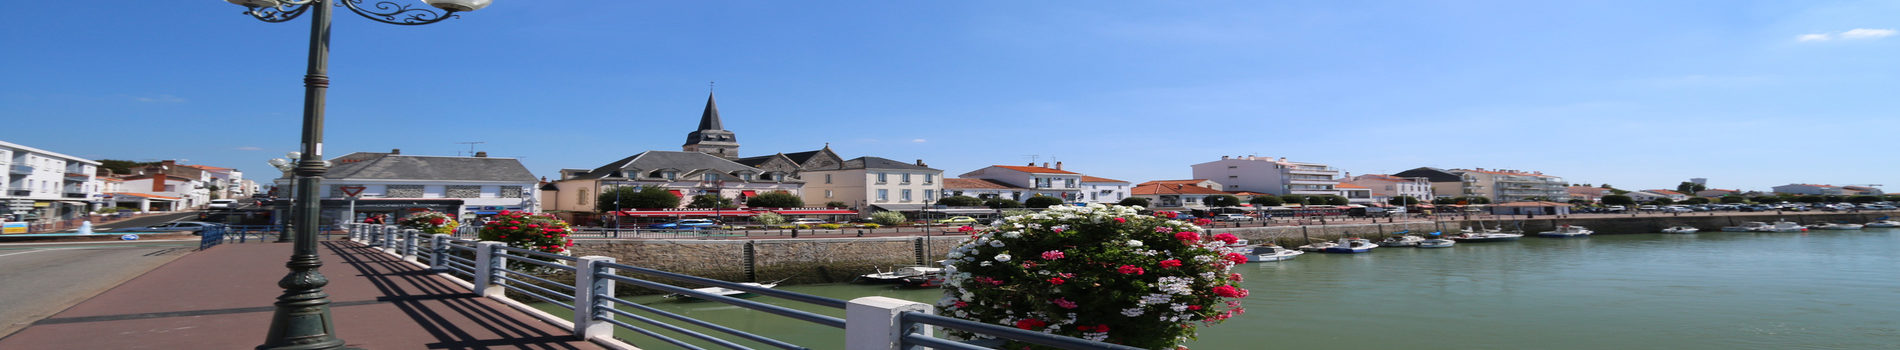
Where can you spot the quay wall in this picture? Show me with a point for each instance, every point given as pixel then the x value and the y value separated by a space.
pixel 829 260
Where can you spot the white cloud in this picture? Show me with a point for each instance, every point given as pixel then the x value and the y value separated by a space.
pixel 917 140
pixel 250 148
pixel 1864 33
pixel 1814 37
pixel 159 99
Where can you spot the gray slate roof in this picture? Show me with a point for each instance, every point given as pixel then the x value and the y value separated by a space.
pixel 684 162
pixel 384 166
pixel 881 163
pixel 1431 174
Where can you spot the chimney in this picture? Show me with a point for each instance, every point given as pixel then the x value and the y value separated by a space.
pixel 1031 164
pixel 1058 165
pixel 920 162
pixel 1223 157
pixel 1282 159
pixel 395 151
pixel 158 176
pixel 1045 164
pixel 481 154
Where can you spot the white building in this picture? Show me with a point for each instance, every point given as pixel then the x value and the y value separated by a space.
pixel 397 185
pixel 1104 190
pixel 1386 187
pixel 1035 180
pixel 1270 175
pixel 55 186
pixel 226 183
pixel 872 182
pixel 1810 189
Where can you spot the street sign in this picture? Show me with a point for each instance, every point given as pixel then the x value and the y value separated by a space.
pixel 351 191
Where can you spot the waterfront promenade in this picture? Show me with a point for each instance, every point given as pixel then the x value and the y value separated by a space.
pixel 221 298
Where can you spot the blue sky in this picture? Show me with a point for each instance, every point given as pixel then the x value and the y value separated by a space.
pixel 1638 94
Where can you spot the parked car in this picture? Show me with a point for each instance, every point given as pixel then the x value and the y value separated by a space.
pixel 223 203
pixel 196 227
pixel 687 224
pixel 958 220
pixel 808 221
pixel 1233 217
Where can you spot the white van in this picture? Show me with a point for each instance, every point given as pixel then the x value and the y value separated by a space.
pixel 223 203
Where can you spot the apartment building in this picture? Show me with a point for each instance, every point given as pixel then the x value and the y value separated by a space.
pixel 43 185
pixel 1270 175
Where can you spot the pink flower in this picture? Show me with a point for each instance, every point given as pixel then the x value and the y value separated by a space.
pixel 1129 270
pixel 1203 222
pixel 1227 291
pixel 513 222
pixel 1058 230
pixel 1236 257
pixel 1121 220
pixel 504 212
pixel 1064 303
pixel 1171 263
pixel 1229 238
pixel 1056 280
pixel 1031 324
pixel 1187 236
pixel 1163 229
pixel 962 304
pixel 1194 307
pixel 1234 276
pixel 1052 255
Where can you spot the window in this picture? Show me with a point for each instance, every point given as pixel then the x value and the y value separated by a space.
pixel 883 195
pixel 880 177
pixel 746 176
pixel 906 179
pixel 827 193
pixel 930 179
pixel 1070 183
pixel 671 175
pixel 905 195
pixel 930 195
pixel 710 177
pixel 582 199
pixel 408 191
pixel 510 191
pixel 462 191
pixel 827 180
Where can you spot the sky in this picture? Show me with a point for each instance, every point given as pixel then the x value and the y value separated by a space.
pixel 1636 94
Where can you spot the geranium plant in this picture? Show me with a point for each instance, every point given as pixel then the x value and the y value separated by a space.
pixel 430 222
pixel 539 232
pixel 1103 273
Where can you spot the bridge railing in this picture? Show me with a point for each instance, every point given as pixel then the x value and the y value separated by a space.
pixel 493 269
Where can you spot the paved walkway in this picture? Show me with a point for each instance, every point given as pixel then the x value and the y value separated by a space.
pixel 221 299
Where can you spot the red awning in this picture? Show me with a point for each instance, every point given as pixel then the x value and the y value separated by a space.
pixel 686 213
pixel 815 212
pixel 677 193
pixel 748 193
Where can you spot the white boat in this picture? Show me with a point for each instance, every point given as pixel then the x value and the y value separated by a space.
pixel 1402 241
pixel 1784 226
pixel 1436 243
pixel 1750 226
pixel 724 292
pixel 1680 229
pixel 1487 236
pixel 1318 246
pixel 1567 231
pixel 1272 253
pixel 1834 226
pixel 1883 224
pixel 899 274
pixel 1350 246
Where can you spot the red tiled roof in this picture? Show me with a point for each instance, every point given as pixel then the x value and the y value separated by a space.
pixel 961 183
pixel 134 194
pixel 1175 182
pixel 1349 185
pixel 1665 192
pixel 1086 178
pixel 207 167
pixel 1248 193
pixel 1158 189
pixel 1033 169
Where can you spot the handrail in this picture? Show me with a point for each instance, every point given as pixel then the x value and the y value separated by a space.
pixel 768 308
pixel 696 322
pixel 812 299
pixel 1038 338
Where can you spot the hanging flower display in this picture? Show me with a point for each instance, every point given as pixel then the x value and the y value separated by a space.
pixel 430 222
pixel 539 232
pixel 1103 273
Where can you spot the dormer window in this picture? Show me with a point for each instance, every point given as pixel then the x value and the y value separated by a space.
pixel 746 176
pixel 710 177
pixel 670 175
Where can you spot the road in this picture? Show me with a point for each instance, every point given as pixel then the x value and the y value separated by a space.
pixel 44 278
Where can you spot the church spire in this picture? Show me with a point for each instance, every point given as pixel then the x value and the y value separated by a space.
pixel 712 137
pixel 709 120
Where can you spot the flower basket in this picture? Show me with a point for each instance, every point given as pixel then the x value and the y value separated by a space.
pixel 538 232
pixel 1103 273
pixel 430 222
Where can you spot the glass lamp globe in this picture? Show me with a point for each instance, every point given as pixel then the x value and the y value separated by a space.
pixel 454 5
pixel 254 3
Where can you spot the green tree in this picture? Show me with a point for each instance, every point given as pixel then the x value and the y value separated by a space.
pixel 1041 201
pixel 123 166
pixel 1893 198
pixel 1445 200
pixel 1833 198
pixel 1662 201
pixel 1607 186
pixel 624 197
pixel 711 201
pixel 1733 199
pixel 1579 201
pixel 888 218
pixel 1696 200
pixel 1809 199
pixel 1402 200
pixel 1134 201
pixel 775 199
pixel 1477 200
pixel 1863 199
pixel 769 218
pixel 1221 200
pixel 1266 201
pixel 1617 199
pixel 960 201
pixel 1001 203
pixel 1336 200
pixel 1293 199
pixel 836 204
pixel 1690 187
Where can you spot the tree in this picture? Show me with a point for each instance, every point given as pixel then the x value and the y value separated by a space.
pixel 1733 199
pixel 1402 200
pixel 1476 200
pixel 1266 201
pixel 1579 201
pixel 836 204
pixel 1135 201
pixel 1617 199
pixel 1690 187
pixel 634 198
pixel 1293 199
pixel 1696 200
pixel 1809 199
pixel 1000 203
pixel 960 201
pixel 888 218
pixel 1863 199
pixel 1662 201
pixel 711 201
pixel 1833 198
pixel 1607 186
pixel 1041 201
pixel 775 199
pixel 123 166
pixel 1336 200
pixel 1221 200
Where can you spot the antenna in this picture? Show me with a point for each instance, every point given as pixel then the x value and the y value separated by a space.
pixel 712 85
pixel 471 146
pixel 1032 158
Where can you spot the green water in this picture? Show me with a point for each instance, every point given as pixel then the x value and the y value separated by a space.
pixel 1711 290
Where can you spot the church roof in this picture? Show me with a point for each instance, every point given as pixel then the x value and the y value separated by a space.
pixel 686 162
pixel 709 120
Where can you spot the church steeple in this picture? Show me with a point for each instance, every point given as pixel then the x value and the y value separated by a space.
pixel 712 137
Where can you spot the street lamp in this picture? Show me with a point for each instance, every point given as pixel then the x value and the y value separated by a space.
pixel 302 320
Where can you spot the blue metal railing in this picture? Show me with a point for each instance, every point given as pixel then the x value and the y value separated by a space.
pixel 496 269
pixel 210 236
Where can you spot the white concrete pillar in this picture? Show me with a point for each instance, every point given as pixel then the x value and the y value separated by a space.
pixel 588 309
pixel 871 323
pixel 485 265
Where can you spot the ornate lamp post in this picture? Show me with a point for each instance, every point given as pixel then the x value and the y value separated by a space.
pixel 303 318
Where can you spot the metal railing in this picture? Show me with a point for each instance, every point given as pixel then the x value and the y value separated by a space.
pixel 493 270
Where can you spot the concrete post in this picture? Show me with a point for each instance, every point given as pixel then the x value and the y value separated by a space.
pixel 589 310
pixel 391 240
pixel 438 246
pixel 486 266
pixel 374 235
pixel 409 244
pixel 871 323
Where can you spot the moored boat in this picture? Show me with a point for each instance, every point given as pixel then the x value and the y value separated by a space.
pixel 1272 253
pixel 1784 226
pixel 1883 224
pixel 724 292
pixel 1750 226
pixel 1478 237
pixel 1680 229
pixel 1567 231
pixel 1350 246
pixel 1436 243
pixel 1317 246
pixel 899 274
pixel 1835 226
pixel 1401 241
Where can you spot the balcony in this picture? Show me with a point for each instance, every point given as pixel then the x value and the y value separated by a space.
pixel 20 193
pixel 21 169
pixel 76 195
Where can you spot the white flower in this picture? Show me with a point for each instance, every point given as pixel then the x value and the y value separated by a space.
pixel 1002 257
pixel 1013 234
pixel 998 244
pixel 955 254
pixel 1134 243
pixel 1132 312
pixel 1178 307
pixel 986 263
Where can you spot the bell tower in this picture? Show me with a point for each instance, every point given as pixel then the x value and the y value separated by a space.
pixel 712 138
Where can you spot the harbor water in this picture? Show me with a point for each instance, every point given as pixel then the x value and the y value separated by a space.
pixel 1709 290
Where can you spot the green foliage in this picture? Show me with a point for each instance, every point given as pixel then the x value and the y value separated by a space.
pixel 888 218
pixel 1402 200
pixel 1445 200
pixel 1696 200
pixel 1690 188
pixel 1617 199
pixel 1863 199
pixel 1221 200
pixel 711 201
pixel 648 197
pixel 1733 199
pixel 960 201
pixel 1810 199
pixel 1266 201
pixel 540 232
pixel 1001 203
pixel 1293 199
pixel 1336 200
pixel 872 225
pixel 1662 201
pixel 1041 201
pixel 769 218
pixel 1477 200
pixel 775 199
pixel 1617 191
pixel 1833 198
pixel 1015 212
pixel 1134 201
pixel 1579 201
pixel 836 204
pixel 123 166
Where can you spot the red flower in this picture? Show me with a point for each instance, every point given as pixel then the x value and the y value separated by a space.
pixel 1100 328
pixel 1056 280
pixel 1234 276
pixel 1121 220
pixel 436 221
pixel 1031 324
pixel 1236 258
pixel 962 304
pixel 513 222
pixel 1203 222
pixel 966 228
pixel 1227 291
pixel 1171 263
pixel 1129 270
pixel 1187 236
pixel 504 212
pixel 1194 307
pixel 1229 238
